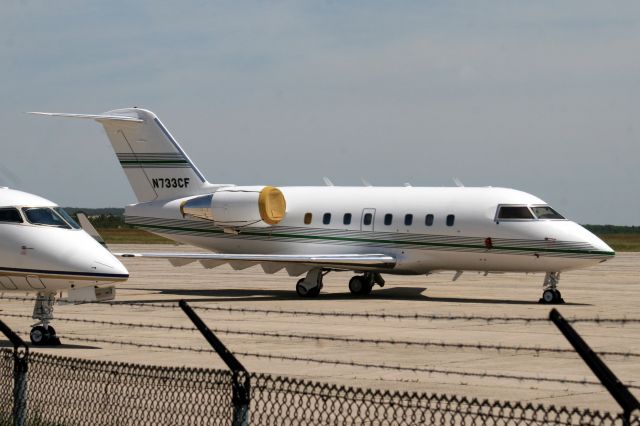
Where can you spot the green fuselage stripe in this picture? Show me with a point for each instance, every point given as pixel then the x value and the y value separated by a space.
pixel 384 241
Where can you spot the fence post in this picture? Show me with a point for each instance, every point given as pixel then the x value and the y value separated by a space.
pixel 240 380
pixel 20 368
pixel 614 386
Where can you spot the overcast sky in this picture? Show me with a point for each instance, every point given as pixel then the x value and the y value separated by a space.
pixel 540 96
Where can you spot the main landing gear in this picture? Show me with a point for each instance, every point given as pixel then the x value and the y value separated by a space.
pixel 360 285
pixel 310 285
pixel 41 332
pixel 550 293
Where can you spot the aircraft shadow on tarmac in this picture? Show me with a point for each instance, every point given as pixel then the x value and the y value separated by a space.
pixel 7 344
pixel 256 295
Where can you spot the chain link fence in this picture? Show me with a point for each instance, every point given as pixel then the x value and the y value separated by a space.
pixel 70 391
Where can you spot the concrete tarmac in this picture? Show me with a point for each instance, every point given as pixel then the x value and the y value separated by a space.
pixel 611 289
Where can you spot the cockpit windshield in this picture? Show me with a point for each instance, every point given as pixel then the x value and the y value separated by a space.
pixel 67 217
pixel 511 212
pixel 514 212
pixel 546 212
pixel 48 217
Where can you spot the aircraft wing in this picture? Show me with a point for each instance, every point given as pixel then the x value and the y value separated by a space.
pixel 295 264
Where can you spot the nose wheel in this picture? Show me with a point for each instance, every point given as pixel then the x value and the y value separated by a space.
pixel 41 336
pixel 41 332
pixel 551 296
pixel 550 293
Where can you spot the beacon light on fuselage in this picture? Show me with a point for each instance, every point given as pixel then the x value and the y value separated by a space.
pixel 313 230
pixel 44 251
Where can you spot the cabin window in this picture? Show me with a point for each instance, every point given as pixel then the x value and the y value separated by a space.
pixel 347 219
pixel 368 217
pixel 408 219
pixel 307 218
pixel 428 220
pixel 67 218
pixel 546 212
pixel 451 219
pixel 514 212
pixel 10 215
pixel 326 218
pixel 44 216
pixel 388 219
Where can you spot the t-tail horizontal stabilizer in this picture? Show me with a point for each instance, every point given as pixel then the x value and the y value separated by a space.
pixel 155 164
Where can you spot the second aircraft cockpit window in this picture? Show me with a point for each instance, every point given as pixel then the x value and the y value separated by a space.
pixel 47 216
pixel 10 215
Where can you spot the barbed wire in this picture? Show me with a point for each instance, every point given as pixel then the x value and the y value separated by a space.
pixel 366 365
pixel 352 315
pixel 342 339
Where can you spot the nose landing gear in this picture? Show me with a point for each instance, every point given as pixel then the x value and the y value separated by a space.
pixel 41 332
pixel 550 293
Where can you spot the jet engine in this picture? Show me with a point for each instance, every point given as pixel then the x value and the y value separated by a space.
pixel 238 206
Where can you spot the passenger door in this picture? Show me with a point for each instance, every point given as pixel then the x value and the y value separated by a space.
pixel 368 219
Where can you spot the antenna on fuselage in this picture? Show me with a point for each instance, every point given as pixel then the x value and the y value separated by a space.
pixel 327 181
pixel 365 182
pixel 407 184
pixel 458 182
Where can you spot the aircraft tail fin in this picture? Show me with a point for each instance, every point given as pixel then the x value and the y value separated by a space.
pixel 155 164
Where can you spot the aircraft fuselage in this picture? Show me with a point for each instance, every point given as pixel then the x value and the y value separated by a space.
pixel 425 229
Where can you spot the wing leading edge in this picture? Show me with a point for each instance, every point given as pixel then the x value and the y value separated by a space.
pixel 295 264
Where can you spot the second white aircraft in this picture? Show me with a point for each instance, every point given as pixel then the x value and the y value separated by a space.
pixel 314 230
pixel 44 251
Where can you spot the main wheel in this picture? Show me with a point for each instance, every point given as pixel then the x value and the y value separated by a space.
pixel 359 286
pixel 314 292
pixel 39 335
pixel 300 289
pixel 356 284
pixel 366 290
pixel 303 292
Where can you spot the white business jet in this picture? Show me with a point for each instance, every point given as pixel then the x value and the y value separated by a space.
pixel 44 251
pixel 314 230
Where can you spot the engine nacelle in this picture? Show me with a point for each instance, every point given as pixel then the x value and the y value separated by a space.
pixel 238 206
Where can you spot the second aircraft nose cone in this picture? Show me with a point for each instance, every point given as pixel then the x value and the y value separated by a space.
pixel 107 264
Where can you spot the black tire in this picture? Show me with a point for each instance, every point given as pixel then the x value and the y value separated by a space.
pixel 366 290
pixel 300 290
pixel 52 331
pixel 551 297
pixel 548 296
pixel 356 284
pixel 39 335
pixel 303 292
pixel 359 286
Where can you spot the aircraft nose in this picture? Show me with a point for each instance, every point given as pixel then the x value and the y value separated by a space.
pixel 597 244
pixel 108 265
pixel 603 247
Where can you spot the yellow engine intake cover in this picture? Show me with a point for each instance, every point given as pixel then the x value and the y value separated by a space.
pixel 272 205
